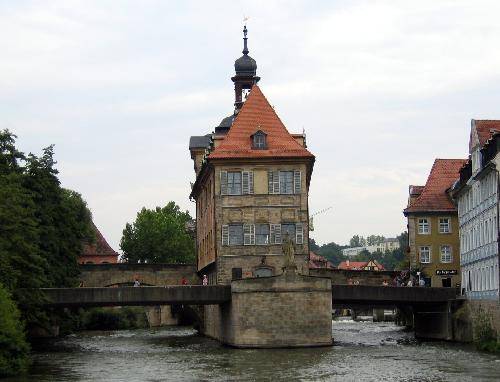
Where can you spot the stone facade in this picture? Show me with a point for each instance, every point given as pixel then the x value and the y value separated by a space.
pixel 282 311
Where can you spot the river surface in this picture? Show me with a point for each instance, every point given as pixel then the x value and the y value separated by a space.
pixel 363 351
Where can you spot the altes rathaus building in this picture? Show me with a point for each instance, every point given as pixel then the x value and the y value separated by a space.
pixel 251 188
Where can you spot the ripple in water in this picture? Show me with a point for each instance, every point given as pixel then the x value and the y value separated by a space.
pixel 363 351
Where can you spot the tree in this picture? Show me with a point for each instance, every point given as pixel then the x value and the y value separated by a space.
pixel 158 236
pixel 42 228
pixel 333 252
pixel 357 241
pixel 14 350
pixel 313 246
pixel 374 239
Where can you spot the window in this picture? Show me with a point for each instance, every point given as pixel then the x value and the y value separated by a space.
pixel 285 182
pixel 234 183
pixel 263 272
pixel 236 273
pixel 423 226
pixel 261 234
pixel 275 231
pixel 288 229
pixel 232 234
pixel 444 225
pixel 294 231
pixel 425 254
pixel 445 254
pixel 259 140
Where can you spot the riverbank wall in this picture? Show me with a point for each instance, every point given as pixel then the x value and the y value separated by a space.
pixel 471 313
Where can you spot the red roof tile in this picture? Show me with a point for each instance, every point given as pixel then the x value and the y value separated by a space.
pixel 485 129
pixel 100 247
pixel 434 197
pixel 359 265
pixel 257 114
pixel 317 261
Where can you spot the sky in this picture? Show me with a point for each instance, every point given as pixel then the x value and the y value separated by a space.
pixel 381 88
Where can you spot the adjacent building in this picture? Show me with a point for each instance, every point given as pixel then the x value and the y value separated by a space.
pixel 371 265
pixel 98 252
pixel 319 262
pixel 388 244
pixel 251 188
pixel 476 193
pixel 433 228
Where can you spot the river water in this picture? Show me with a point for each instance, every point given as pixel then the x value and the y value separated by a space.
pixel 363 351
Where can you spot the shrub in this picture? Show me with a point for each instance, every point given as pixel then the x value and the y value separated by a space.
pixel 14 350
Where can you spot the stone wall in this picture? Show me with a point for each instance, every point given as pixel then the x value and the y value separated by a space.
pixel 249 264
pixel 102 275
pixel 289 310
pixel 466 314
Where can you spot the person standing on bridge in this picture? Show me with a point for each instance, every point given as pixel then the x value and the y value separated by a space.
pixel 184 281
pixel 137 283
pixel 205 280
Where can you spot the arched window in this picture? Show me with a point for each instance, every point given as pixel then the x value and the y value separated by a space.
pixel 259 140
pixel 263 272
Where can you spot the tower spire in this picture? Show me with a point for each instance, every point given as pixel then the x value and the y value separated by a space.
pixel 245 38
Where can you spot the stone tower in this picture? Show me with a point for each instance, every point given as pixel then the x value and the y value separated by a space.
pixel 251 188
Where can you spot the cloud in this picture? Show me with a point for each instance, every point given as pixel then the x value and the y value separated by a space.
pixel 381 88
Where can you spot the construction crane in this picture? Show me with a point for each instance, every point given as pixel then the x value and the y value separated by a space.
pixel 311 224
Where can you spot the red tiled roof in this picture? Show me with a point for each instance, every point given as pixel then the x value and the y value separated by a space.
pixel 485 129
pixel 100 247
pixel 443 174
pixel 257 114
pixel 358 265
pixel 317 261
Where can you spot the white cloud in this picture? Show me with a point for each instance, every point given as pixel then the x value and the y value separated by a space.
pixel 382 88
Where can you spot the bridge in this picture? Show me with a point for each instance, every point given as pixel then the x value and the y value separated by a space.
pixel 138 296
pixel 251 312
pixel 342 296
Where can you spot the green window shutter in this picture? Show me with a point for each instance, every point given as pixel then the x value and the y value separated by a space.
pixel 225 234
pixel 223 182
pixel 248 234
pixel 299 233
pixel 297 182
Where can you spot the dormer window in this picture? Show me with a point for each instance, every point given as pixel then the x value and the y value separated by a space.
pixel 259 140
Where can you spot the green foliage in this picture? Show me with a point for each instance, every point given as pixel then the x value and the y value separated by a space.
pixel 114 318
pixel 485 337
pixel 14 350
pixel 42 226
pixel 374 239
pixel 391 260
pixel 331 251
pixel 357 241
pixel 159 236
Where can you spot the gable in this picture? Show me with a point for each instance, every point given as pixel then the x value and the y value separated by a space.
pixel 257 114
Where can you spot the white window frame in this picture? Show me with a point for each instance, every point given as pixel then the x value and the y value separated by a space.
pixel 449 256
pixel 442 225
pixel 422 223
pixel 420 250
